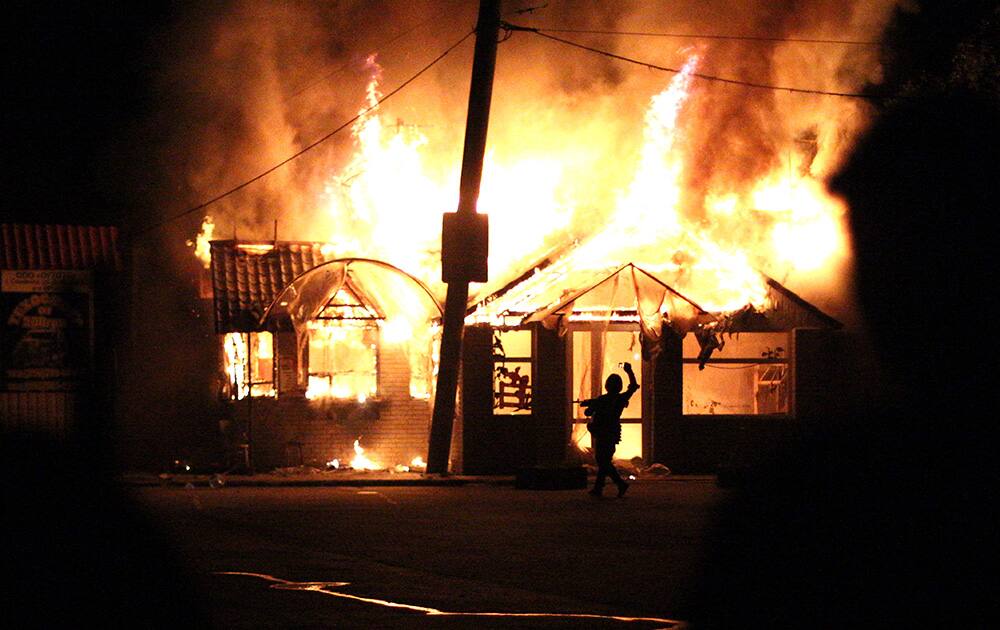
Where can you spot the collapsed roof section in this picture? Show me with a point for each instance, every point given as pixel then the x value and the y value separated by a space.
pixel 557 295
pixel 249 277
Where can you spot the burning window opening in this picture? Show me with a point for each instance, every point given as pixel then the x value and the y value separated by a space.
pixel 342 359
pixel 424 357
pixel 748 376
pixel 248 362
pixel 343 346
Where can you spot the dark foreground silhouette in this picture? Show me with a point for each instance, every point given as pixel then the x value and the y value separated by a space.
pixel 880 515
pixel 79 553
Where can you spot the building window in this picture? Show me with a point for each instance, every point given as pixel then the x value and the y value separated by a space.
pixel 748 375
pixel 596 355
pixel 511 372
pixel 249 364
pixel 343 359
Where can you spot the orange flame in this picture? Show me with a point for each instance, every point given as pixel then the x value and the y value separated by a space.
pixel 387 204
pixel 202 249
pixel 235 364
pixel 360 461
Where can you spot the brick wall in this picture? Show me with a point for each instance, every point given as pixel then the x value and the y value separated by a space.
pixel 291 430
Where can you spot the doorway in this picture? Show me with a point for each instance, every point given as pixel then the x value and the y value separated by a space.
pixel 596 353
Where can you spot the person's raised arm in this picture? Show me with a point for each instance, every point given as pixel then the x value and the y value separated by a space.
pixel 633 385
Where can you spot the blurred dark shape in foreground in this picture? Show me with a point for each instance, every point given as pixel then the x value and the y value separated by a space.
pixel 79 552
pixel 883 516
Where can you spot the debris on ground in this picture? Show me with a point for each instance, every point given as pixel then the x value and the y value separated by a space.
pixel 657 469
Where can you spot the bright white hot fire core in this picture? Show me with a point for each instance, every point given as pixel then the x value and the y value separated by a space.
pixel 387 204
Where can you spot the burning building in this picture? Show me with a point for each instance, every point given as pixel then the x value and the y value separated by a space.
pixel 317 355
pixel 712 384
pixel 663 231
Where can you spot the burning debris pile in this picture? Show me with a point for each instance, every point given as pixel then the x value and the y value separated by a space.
pixel 359 462
pixel 363 463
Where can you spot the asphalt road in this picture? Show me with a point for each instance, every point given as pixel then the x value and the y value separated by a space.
pixel 410 556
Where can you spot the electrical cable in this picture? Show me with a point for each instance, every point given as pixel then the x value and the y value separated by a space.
pixel 309 147
pixel 748 38
pixel 707 77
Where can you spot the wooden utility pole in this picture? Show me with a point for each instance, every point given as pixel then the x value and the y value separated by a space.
pixel 464 236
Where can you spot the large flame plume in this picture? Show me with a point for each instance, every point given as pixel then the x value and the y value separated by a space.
pixel 590 161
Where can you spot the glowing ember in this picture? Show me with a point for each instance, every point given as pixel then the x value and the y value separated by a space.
pixel 359 461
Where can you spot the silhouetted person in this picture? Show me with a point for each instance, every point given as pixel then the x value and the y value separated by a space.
pixel 606 427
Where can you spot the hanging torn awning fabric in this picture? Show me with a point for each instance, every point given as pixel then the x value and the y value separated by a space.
pixel 628 294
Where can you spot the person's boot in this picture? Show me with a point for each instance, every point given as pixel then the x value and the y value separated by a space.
pixel 622 487
pixel 596 492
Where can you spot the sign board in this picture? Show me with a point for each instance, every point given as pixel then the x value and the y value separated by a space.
pixel 47 325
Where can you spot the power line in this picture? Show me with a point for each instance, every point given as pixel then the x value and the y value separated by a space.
pixel 707 77
pixel 745 38
pixel 315 144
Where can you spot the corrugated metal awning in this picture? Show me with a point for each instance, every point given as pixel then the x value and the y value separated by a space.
pixel 30 246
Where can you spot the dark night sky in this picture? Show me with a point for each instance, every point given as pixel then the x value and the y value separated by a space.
pixel 76 81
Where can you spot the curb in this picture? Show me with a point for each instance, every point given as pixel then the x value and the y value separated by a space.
pixel 276 481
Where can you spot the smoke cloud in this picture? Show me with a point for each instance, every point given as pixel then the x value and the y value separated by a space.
pixel 247 84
